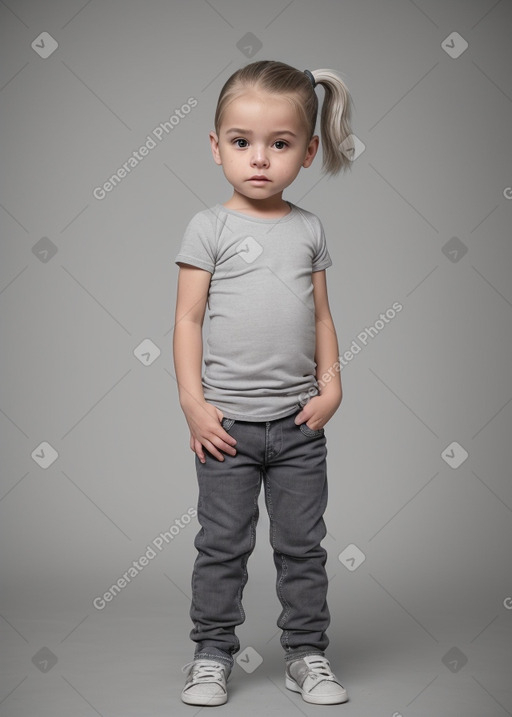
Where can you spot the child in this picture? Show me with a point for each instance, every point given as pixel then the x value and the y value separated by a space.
pixel 257 414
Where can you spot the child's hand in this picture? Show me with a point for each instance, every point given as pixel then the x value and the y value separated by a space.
pixel 204 421
pixel 318 411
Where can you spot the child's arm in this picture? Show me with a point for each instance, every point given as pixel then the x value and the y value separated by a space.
pixel 204 419
pixel 323 406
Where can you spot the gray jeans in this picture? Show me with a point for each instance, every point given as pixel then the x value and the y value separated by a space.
pixel 291 461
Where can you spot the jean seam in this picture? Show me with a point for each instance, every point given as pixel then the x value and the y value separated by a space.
pixel 194 581
pixel 284 567
pixel 245 559
pixel 286 605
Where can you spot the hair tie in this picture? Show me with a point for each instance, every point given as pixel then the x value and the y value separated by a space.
pixel 310 77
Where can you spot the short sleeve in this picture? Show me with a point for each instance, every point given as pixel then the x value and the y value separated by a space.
pixel 198 244
pixel 321 258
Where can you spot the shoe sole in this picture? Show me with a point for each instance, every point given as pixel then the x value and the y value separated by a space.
pixel 212 701
pixel 315 699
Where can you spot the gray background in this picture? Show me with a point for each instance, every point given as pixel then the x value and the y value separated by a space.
pixel 435 587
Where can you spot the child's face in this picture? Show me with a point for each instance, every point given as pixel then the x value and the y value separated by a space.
pixel 261 136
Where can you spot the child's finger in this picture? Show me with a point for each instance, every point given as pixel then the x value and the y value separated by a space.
pixel 219 444
pixel 198 450
pixel 227 438
pixel 229 448
pixel 215 453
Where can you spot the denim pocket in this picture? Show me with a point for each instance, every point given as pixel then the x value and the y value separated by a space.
pixel 310 432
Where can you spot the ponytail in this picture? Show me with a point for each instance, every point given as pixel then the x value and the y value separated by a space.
pixel 280 78
pixel 334 121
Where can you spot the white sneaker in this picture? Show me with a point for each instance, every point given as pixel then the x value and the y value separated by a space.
pixel 205 684
pixel 313 678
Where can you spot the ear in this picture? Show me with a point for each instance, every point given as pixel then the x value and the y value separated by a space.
pixel 214 142
pixel 311 151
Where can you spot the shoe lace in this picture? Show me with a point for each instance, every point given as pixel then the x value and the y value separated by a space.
pixel 203 670
pixel 319 669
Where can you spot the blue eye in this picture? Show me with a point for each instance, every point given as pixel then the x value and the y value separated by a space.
pixel 241 140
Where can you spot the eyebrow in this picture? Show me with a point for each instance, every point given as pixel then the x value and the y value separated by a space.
pixel 237 130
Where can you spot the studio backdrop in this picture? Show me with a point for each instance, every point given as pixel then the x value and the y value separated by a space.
pixel 105 111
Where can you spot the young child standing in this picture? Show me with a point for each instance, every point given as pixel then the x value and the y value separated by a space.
pixel 257 412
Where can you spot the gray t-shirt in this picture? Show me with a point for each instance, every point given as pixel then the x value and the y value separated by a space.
pixel 260 347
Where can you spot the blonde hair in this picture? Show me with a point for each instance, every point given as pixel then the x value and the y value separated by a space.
pixel 280 78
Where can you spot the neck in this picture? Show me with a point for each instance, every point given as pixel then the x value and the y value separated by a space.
pixel 271 208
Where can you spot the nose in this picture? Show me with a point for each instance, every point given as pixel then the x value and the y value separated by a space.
pixel 259 156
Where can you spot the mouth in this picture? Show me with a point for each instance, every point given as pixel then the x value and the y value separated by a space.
pixel 258 178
